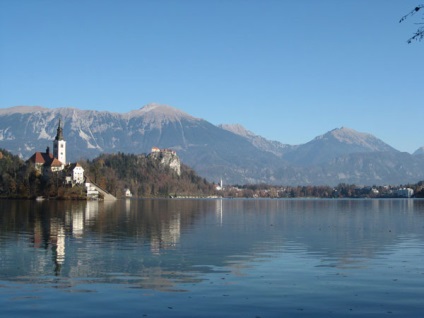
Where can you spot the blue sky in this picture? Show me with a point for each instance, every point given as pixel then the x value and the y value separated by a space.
pixel 286 70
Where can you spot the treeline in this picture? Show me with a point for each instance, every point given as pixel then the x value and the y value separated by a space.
pixel 16 179
pixel 342 190
pixel 20 180
pixel 145 176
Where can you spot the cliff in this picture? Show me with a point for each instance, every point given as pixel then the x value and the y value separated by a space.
pixel 168 158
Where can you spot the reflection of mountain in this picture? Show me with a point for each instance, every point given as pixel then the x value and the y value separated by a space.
pixel 153 243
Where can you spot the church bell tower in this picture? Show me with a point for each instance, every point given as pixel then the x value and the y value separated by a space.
pixel 59 146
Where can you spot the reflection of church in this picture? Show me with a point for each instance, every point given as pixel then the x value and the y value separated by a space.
pixel 53 230
pixel 46 163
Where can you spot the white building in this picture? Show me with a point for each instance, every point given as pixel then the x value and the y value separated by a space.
pixel 75 174
pixel 128 193
pixel 78 173
pixel 405 192
pixel 92 192
pixel 219 187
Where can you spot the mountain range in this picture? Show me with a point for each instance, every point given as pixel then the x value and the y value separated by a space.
pixel 228 152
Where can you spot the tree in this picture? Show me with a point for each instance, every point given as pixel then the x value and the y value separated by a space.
pixel 419 34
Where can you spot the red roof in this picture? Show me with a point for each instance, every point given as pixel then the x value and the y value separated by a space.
pixel 41 157
pixel 55 163
pixel 44 158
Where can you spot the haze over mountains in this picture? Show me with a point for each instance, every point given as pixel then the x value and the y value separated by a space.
pixel 227 151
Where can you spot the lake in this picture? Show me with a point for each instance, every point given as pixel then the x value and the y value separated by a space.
pixel 212 258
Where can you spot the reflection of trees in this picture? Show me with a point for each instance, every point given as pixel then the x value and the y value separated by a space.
pixel 161 242
pixel 330 228
pixel 156 221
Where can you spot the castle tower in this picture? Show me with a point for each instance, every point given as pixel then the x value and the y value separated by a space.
pixel 59 146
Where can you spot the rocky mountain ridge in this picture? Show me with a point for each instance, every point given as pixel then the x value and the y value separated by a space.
pixel 229 152
pixel 272 146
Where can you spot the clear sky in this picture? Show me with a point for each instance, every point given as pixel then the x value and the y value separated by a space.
pixel 286 70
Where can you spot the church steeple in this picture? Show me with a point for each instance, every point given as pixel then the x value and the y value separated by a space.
pixel 59 135
pixel 59 145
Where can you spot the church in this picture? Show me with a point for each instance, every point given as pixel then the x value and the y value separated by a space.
pixel 47 162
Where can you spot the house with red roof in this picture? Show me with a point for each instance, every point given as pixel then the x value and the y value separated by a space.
pixel 47 162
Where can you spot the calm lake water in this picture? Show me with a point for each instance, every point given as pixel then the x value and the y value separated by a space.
pixel 212 258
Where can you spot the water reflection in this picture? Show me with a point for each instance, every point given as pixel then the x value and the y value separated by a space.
pixel 57 241
pixel 159 244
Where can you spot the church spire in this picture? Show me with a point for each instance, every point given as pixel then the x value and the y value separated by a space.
pixel 59 135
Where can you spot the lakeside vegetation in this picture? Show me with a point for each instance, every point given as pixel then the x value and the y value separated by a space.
pixel 20 180
pixel 342 190
pixel 146 177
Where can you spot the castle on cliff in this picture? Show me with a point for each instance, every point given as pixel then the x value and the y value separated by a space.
pixel 167 157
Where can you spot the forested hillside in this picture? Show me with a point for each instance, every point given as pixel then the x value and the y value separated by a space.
pixel 144 175
pixel 15 177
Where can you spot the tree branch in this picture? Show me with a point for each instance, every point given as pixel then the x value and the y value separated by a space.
pixel 419 34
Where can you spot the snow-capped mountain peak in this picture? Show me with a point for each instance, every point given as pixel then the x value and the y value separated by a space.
pixel 159 113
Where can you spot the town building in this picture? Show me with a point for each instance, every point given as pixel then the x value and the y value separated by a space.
pixel 128 193
pixel 45 162
pixel 219 187
pixel 92 191
pixel 74 174
pixel 405 192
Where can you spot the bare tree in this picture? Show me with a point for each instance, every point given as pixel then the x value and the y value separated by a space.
pixel 419 34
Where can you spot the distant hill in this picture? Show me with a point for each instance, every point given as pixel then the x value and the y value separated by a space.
pixel 419 151
pixel 153 175
pixel 229 152
pixel 337 142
